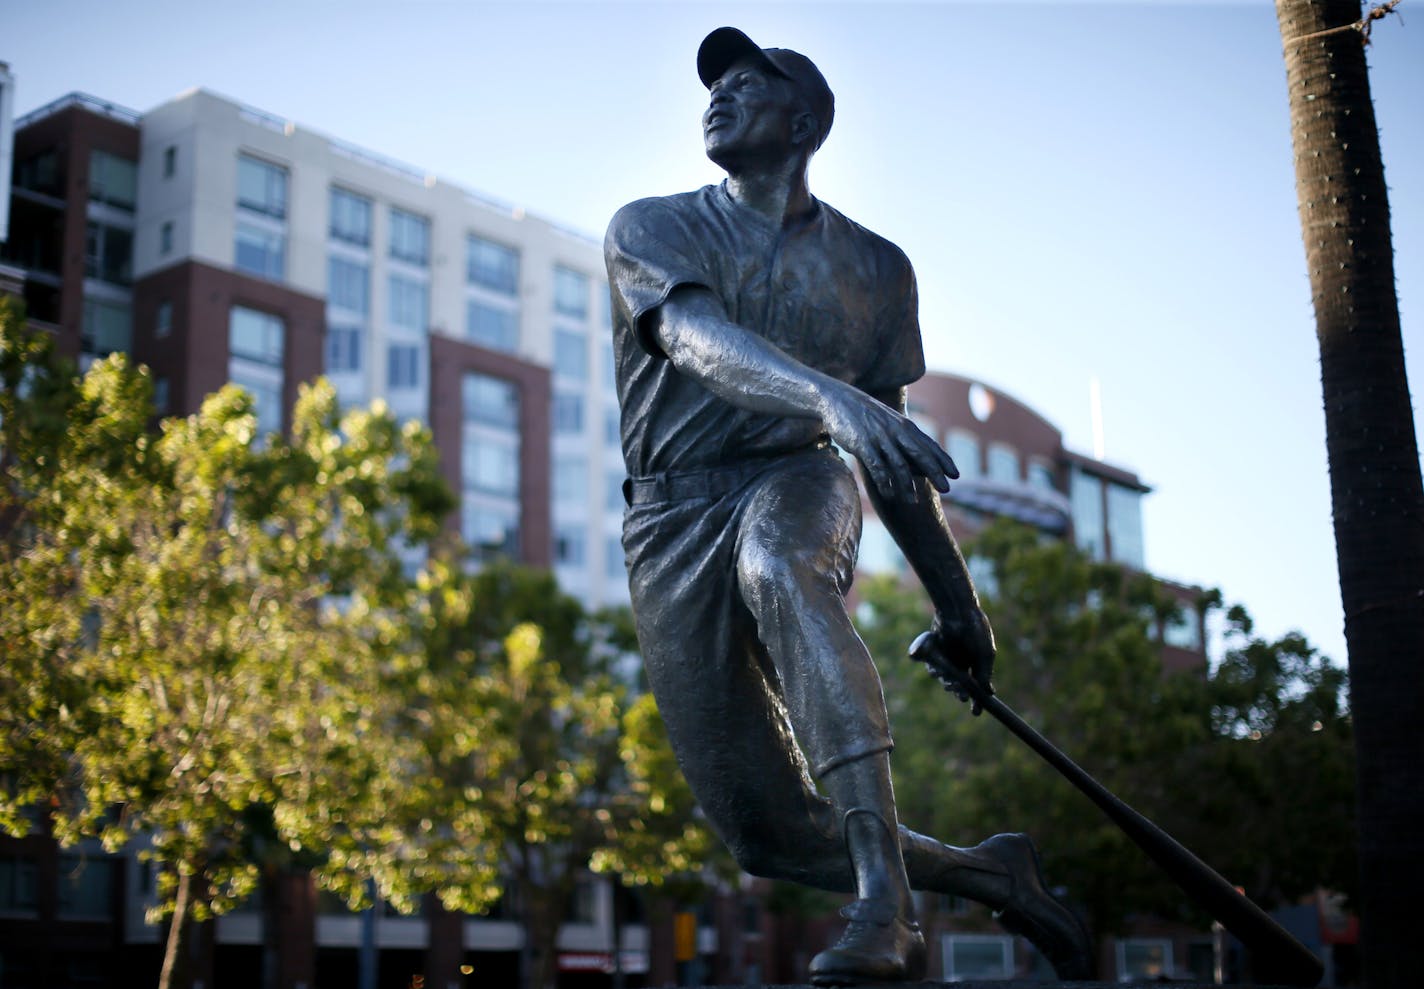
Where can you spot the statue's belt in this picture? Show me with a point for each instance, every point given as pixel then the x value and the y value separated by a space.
pixel 709 483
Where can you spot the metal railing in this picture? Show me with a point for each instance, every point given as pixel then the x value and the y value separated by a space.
pixel 92 103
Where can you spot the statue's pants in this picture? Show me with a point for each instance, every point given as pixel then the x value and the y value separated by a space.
pixel 741 614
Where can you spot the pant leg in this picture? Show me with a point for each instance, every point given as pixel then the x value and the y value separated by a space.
pixel 796 548
pixel 719 696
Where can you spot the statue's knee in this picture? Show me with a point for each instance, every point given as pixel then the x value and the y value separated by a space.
pixel 765 575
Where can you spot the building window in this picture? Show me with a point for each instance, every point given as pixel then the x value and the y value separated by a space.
pixel 489 400
pixel 570 479
pixel 170 161
pixel 570 546
pixel 165 238
pixel 879 553
pixel 615 566
pixel 570 355
pixel 163 320
pixel 491 465
pixel 112 180
pixel 160 395
pixel 17 885
pixel 1003 463
pixel 1143 958
pixel 107 328
pixel 963 448
pixel 410 237
pixel 490 530
pixel 1040 475
pixel 570 292
pixel 86 886
pixel 613 491
pixel 108 253
pixel 343 348
pixel 256 336
pixel 492 266
pixel 256 343
pixel 41 173
pixel 1125 526
pixel 260 251
pixel 568 413
pixel 612 432
pixel 978 956
pixel 261 187
pixel 348 285
pixel 1183 630
pixel 402 366
pixel 409 303
pixel 350 217
pixel 491 326
pixel 1089 531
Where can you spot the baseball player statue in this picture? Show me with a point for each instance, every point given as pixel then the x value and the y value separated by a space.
pixel 755 330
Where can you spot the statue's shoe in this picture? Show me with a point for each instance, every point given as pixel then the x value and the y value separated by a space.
pixel 1035 913
pixel 878 945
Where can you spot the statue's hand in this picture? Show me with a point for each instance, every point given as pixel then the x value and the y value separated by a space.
pixel 958 650
pixel 892 449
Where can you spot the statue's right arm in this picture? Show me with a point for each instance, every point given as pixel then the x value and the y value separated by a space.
pixel 693 330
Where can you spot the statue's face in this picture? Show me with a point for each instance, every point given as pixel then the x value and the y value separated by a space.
pixel 753 116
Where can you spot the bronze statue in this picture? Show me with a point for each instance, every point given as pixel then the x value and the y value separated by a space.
pixel 757 329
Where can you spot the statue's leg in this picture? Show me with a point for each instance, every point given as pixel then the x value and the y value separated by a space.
pixel 718 694
pixel 796 552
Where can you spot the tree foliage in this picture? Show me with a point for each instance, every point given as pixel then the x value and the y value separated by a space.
pixel 570 765
pixel 1201 752
pixel 196 621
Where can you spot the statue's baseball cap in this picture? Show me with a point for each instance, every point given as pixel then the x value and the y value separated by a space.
pixel 727 45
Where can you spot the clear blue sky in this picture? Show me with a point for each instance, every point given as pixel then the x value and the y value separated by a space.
pixel 1085 189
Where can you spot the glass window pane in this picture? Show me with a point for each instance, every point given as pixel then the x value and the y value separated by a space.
pixel 403 366
pixel 570 478
pixel 570 292
pixel 343 348
pixel 350 217
pixel 86 886
pixel 261 187
pixel 259 252
pixel 256 336
pixel 410 237
pixel 492 326
pixel 1086 495
pixel 1125 525
pixel 266 396
pixel 348 285
pixel 490 465
pixel 570 355
pixel 107 328
pixel 963 449
pixel 1003 463
pixel 570 545
pixel 113 180
pixel 568 413
pixel 490 531
pixel 492 265
pixel 409 303
pixel 490 400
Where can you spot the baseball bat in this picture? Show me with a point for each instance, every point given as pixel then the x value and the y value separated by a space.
pixel 1276 956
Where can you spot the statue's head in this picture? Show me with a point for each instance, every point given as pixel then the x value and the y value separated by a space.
pixel 768 104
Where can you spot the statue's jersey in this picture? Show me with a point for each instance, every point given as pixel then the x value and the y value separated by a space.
pixel 826 291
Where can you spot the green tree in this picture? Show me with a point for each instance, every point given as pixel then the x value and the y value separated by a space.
pixel 1376 492
pixel 196 623
pixel 1080 658
pixel 531 728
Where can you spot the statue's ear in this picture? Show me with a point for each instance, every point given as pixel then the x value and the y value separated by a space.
pixel 803 128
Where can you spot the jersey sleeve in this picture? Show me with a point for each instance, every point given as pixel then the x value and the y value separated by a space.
pixel 900 358
pixel 649 250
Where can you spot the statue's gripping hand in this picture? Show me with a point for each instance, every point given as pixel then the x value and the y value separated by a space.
pixel 962 648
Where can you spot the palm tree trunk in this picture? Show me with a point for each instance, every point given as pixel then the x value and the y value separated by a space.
pixel 1377 498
